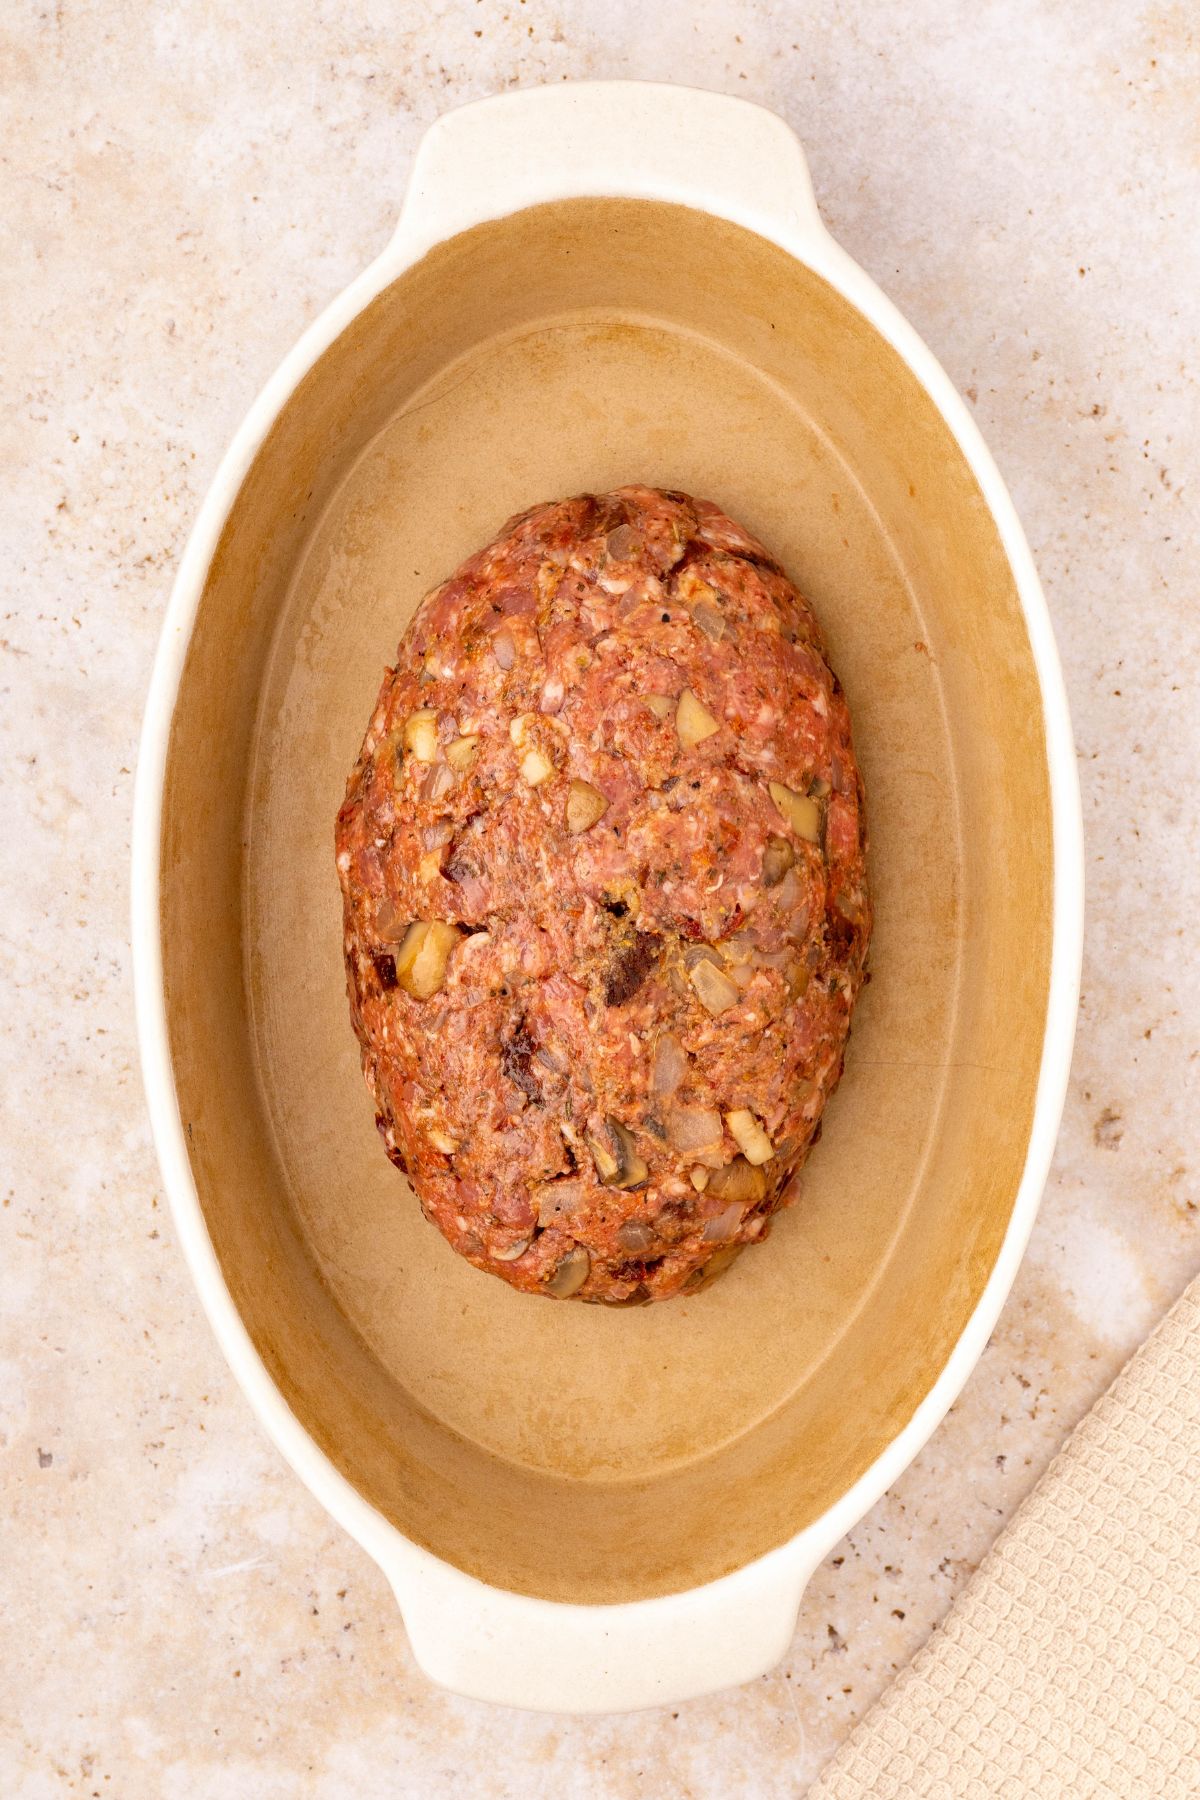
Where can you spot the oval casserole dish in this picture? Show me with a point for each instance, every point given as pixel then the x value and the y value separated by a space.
pixel 582 1509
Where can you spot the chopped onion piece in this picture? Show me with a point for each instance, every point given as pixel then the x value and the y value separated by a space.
pixel 710 621
pixel 715 991
pixel 670 1067
pixel 441 1140
pixel 694 1128
pixel 778 858
pixel 504 649
pixel 554 1200
pixel 390 923
pixel 623 543
pixel 437 783
pixel 636 1236
pixel 700 1177
pixel 725 1224
pixel 661 705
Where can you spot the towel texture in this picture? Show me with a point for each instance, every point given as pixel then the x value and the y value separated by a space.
pixel 1070 1667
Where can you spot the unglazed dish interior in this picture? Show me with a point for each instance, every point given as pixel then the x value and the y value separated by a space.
pixel 562 1450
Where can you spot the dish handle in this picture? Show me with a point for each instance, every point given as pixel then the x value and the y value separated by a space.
pixel 513 1650
pixel 641 140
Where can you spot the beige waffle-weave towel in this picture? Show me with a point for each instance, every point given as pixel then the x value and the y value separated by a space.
pixel 1070 1667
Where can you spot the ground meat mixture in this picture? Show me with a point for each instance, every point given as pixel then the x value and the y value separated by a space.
pixel 606 915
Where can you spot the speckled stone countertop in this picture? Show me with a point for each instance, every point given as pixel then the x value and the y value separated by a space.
pixel 184 186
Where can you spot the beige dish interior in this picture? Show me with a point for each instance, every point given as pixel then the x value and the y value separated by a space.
pixel 563 1450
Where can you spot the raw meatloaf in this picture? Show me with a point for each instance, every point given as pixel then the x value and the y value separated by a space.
pixel 606 915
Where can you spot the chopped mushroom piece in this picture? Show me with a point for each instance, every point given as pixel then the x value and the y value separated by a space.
pixel 801 813
pixel 422 957
pixel 585 805
pixel 749 1136
pixel 693 721
pixel 420 735
pixel 716 1265
pixel 616 1157
pixel 570 1274
pixel 739 1180
pixel 608 1164
pixel 634 1169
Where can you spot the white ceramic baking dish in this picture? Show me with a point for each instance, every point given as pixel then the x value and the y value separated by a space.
pixel 577 1509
